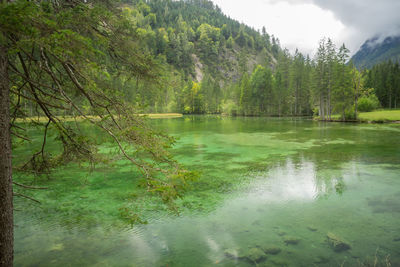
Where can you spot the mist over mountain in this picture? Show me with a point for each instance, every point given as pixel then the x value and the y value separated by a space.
pixel 377 50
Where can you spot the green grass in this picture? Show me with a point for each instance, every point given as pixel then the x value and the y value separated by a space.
pixel 373 116
pixel 380 116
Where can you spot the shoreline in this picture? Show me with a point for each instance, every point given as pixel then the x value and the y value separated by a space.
pixel 81 118
pixel 362 121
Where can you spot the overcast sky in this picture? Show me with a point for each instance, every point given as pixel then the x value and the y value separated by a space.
pixel 302 23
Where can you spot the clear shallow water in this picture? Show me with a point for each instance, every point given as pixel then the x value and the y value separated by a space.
pixel 266 183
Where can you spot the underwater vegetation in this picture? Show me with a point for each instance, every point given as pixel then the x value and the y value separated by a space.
pixel 270 193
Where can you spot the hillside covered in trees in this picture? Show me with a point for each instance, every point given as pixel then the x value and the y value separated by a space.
pixel 207 63
pixel 212 64
pixel 202 52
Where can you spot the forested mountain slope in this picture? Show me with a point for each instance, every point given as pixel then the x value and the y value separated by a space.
pixel 374 51
pixel 194 41
pixel 199 61
pixel 185 30
pixel 213 64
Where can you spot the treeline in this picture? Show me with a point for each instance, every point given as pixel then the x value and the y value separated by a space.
pixel 201 53
pixel 385 79
pixel 282 90
pixel 295 86
pixel 212 64
pixel 208 63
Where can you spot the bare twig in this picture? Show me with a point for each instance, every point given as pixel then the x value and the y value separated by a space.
pixel 28 186
pixel 27 197
pixel 20 136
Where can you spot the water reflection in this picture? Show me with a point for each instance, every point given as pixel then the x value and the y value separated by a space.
pixel 288 182
pixel 275 185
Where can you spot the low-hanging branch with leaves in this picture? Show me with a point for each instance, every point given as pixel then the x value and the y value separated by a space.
pixel 63 59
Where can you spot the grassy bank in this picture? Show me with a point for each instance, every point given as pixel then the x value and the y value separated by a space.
pixel 378 116
pixel 80 118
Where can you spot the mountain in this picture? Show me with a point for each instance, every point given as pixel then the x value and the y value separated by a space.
pixel 196 38
pixel 200 51
pixel 374 51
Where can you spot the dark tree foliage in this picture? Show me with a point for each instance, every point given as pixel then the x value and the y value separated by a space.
pixel 66 58
pixel 384 78
pixel 71 59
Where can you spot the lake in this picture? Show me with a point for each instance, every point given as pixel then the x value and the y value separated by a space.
pixel 272 192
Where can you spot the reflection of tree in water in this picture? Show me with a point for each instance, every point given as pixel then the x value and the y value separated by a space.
pixel 326 169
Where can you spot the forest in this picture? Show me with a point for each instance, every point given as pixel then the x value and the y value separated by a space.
pixel 255 75
pixel 208 63
pixel 78 78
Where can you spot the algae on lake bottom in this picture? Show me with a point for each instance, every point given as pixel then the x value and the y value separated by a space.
pixel 268 188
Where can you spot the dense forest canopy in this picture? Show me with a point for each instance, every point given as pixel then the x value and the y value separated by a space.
pixel 385 79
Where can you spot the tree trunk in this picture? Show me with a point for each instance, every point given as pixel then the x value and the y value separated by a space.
pixel 6 195
pixel 344 106
pixel 356 97
pixel 295 100
pixel 329 103
pixel 279 108
pixel 326 107
pixel 355 108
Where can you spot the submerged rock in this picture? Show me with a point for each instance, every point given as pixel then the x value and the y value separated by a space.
pixel 253 255
pixel 290 240
pixel 337 243
pixel 278 262
pixel 231 253
pixel 281 233
pixel 321 260
pixel 272 250
pixel 256 255
pixel 312 228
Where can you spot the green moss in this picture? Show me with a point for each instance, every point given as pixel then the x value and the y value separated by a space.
pixel 259 178
pixel 272 250
pixel 337 243
pixel 255 255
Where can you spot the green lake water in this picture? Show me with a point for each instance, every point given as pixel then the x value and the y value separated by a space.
pixel 270 192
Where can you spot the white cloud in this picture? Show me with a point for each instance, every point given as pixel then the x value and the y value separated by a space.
pixel 364 19
pixel 297 24
pixel 302 23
